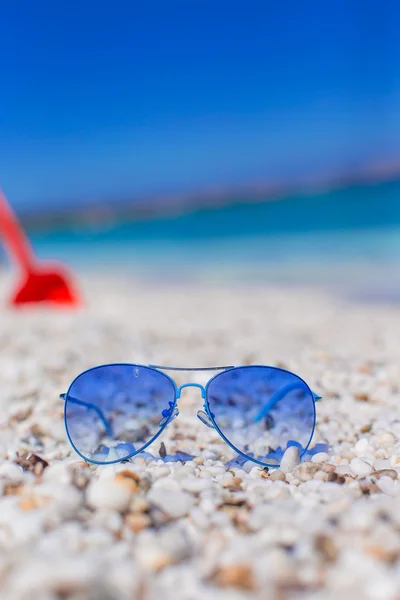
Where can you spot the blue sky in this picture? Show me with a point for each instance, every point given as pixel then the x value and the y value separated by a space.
pixel 111 99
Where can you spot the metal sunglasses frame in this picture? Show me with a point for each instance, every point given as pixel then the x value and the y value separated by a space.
pixel 205 416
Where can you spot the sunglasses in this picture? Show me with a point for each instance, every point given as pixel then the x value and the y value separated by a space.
pixel 113 412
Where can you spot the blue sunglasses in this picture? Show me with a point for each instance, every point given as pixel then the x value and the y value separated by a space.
pixel 113 412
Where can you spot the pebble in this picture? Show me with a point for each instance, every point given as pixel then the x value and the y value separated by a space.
pixel 344 470
pixel 196 484
pixel 360 467
pixel 362 447
pixel 277 475
pixel 11 472
pixel 389 486
pixel 154 559
pixel 306 471
pixel 163 471
pixel 386 440
pixel 109 493
pixel 174 503
pixel 138 521
pixel 290 459
pixel 320 457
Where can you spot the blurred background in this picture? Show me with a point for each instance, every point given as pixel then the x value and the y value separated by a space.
pixel 207 140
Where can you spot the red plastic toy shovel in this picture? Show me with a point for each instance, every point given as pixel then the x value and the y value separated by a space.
pixel 41 282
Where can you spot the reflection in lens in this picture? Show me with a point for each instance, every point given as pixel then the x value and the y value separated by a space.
pixel 262 411
pixel 113 411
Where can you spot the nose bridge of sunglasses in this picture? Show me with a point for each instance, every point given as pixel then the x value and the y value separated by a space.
pixel 196 385
pixel 169 414
pixel 201 414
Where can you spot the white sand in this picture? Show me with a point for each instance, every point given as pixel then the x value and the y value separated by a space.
pixel 172 531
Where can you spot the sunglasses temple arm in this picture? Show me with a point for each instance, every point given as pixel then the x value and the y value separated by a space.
pixel 92 407
pixel 277 397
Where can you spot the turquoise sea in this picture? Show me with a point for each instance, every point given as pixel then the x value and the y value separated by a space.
pixel 349 236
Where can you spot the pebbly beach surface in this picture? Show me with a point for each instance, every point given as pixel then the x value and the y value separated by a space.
pixel 185 520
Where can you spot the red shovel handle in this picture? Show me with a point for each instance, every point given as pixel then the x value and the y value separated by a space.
pixel 41 281
pixel 17 243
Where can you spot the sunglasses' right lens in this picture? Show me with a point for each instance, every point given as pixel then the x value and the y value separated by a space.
pixel 114 411
pixel 261 411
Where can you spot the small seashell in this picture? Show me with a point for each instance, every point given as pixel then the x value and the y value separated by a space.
pixel 32 462
pixel 385 473
pixel 162 451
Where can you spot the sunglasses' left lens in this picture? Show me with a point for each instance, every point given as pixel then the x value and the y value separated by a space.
pixel 114 411
pixel 261 411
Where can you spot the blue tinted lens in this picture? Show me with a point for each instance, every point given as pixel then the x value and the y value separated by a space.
pixel 114 411
pixel 261 411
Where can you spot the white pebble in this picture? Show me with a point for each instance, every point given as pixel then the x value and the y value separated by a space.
pixel 162 471
pixel 320 457
pixel 290 459
pixel 387 439
pixel 173 503
pixel 58 473
pixel 362 447
pixel 278 475
pixel 388 486
pixel 11 471
pixel 382 463
pixel 196 484
pixel 360 467
pixel 343 470
pixel 109 493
